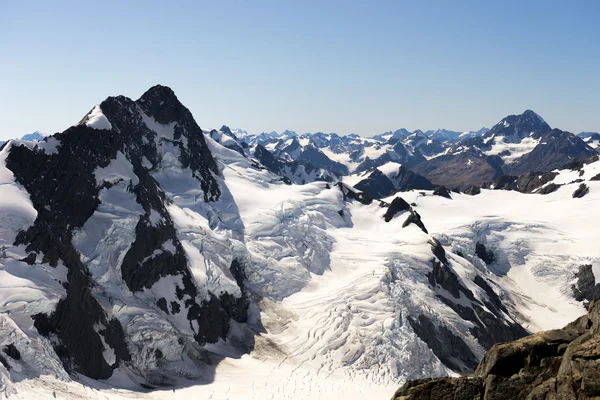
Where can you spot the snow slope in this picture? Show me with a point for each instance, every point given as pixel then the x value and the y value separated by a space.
pixel 336 289
pixel 342 303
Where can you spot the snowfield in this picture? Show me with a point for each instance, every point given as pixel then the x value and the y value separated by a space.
pixel 334 283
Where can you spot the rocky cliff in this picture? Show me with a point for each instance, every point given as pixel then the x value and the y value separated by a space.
pixel 556 364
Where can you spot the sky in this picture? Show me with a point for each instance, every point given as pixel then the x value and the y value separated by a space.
pixel 362 67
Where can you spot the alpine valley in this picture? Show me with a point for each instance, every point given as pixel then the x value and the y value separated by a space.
pixel 143 257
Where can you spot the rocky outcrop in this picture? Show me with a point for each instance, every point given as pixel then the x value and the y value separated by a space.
pixel 581 191
pixel 442 192
pixel 414 218
pixel 485 254
pixel 398 205
pixel 586 289
pixel 557 364
pixel 350 193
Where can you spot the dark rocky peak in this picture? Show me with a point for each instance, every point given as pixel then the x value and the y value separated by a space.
pixel 516 127
pixel 398 205
pixel 161 103
pixel 291 146
pixel 225 129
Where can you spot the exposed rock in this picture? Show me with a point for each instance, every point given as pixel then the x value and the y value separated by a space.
pixel 11 351
pixel 443 192
pixel 352 194
pixel 557 364
pixel 595 178
pixel 473 190
pixel 379 185
pixel 460 170
pixel 549 188
pixel 397 205
pixel 586 288
pixel 490 324
pixel 556 149
pixel 446 345
pixel 581 191
pixel 415 218
pixel 438 250
pixel 482 252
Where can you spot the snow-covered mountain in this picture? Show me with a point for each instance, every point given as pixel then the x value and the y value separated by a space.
pixel 516 145
pixel 30 137
pixel 142 257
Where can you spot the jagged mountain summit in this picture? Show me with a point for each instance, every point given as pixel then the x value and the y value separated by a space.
pixel 141 256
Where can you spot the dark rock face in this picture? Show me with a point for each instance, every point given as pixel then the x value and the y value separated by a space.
pixel 550 188
pixel 443 192
pixel 397 205
pixel 315 157
pixel 490 324
pixel 473 191
pixel 11 351
pixel 349 193
pixel 379 185
pixel 414 218
pixel 581 191
pixel 482 252
pixel 65 193
pixel 438 250
pixel 514 128
pixel 586 288
pixel 447 346
pixel 65 182
pixel 555 150
pixel 558 364
pixel 461 170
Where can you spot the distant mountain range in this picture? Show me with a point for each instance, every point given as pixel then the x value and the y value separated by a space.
pixel 516 145
pixel 142 251
pixel 30 137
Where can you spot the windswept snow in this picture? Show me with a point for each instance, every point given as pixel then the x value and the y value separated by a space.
pixel 96 119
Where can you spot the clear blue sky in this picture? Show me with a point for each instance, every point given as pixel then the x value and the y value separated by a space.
pixel 334 66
